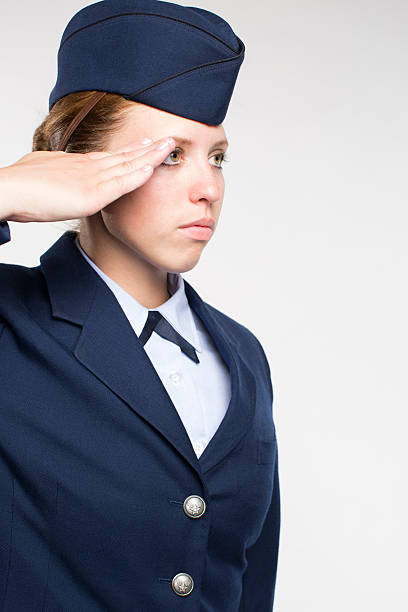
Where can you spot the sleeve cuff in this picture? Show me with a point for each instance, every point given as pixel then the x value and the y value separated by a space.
pixel 4 232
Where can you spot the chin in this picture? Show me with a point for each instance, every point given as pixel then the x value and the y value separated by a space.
pixel 178 265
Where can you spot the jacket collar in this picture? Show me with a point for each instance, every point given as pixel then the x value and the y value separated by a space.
pixel 109 348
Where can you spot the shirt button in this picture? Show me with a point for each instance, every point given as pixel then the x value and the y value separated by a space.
pixel 182 584
pixel 198 447
pixel 194 506
pixel 175 377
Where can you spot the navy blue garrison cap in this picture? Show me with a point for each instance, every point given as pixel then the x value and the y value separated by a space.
pixel 183 60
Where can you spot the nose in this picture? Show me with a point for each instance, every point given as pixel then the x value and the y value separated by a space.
pixel 206 183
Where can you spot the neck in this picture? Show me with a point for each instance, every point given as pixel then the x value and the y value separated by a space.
pixel 146 283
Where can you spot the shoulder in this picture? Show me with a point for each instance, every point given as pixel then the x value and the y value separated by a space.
pixel 240 331
pixel 21 289
pixel 245 337
pixel 16 280
pixel 250 347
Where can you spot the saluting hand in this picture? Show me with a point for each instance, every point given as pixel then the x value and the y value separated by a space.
pixel 58 186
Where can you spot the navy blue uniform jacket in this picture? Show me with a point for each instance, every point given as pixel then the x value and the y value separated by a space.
pixel 95 463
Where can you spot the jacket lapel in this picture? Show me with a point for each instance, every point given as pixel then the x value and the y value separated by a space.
pixel 239 416
pixel 109 348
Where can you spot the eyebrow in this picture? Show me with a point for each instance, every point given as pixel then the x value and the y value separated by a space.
pixel 187 141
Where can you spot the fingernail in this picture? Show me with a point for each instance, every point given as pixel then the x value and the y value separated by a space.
pixel 146 141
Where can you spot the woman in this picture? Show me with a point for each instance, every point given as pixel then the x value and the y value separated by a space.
pixel 138 456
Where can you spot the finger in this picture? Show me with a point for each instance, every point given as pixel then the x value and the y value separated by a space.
pixel 106 160
pixel 128 163
pixel 98 154
pixel 118 185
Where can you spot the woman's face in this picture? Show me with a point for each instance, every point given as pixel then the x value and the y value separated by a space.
pixel 188 185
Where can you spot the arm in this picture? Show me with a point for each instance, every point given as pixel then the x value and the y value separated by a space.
pixel 258 589
pixel 56 186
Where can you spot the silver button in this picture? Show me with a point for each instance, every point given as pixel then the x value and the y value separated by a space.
pixel 182 584
pixel 194 506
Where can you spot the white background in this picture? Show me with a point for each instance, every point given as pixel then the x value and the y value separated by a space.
pixel 310 254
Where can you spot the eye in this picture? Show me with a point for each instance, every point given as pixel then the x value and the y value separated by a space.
pixel 219 159
pixel 174 158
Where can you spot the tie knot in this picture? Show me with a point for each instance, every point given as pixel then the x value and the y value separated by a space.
pixel 154 316
pixel 156 322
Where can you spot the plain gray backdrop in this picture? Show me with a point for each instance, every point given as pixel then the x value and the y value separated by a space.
pixel 310 254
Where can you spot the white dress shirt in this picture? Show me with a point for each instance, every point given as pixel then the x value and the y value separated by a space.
pixel 201 391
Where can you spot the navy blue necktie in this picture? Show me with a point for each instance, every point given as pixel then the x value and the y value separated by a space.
pixel 156 322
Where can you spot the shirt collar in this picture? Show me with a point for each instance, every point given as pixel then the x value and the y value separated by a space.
pixel 176 309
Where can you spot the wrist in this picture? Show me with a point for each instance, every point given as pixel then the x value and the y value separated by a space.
pixel 5 196
pixel 8 211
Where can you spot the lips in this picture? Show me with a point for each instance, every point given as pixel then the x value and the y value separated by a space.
pixel 203 222
pixel 197 232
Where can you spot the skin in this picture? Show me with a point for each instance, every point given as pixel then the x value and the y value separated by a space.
pixel 136 239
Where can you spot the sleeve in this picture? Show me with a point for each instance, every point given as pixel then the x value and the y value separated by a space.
pixel 259 579
pixel 4 232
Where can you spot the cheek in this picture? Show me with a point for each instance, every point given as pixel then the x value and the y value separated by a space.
pixel 148 207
